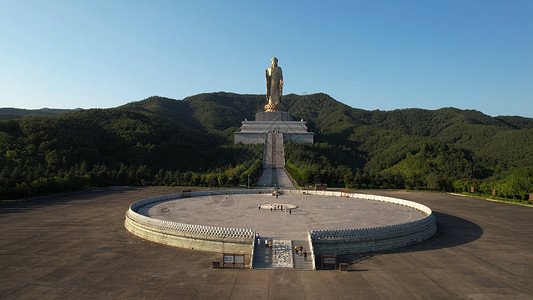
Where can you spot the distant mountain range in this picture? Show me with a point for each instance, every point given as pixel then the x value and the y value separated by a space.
pixel 9 113
pixel 444 149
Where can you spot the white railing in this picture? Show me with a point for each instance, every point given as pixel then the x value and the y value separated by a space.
pixel 402 234
pixel 311 249
pixel 188 229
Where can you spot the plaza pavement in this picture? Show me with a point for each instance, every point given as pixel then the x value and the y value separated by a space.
pixel 75 246
pixel 312 212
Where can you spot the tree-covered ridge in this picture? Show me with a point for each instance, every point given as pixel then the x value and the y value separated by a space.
pixel 190 142
pixel 138 143
pixel 446 149
pixel 9 113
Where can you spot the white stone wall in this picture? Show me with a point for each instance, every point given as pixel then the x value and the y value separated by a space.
pixel 241 240
pixel 200 237
pixel 371 239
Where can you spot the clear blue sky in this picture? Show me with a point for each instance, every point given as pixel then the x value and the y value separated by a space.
pixel 368 54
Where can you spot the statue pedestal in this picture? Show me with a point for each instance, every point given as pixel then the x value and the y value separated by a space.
pixel 255 132
pixel 273 116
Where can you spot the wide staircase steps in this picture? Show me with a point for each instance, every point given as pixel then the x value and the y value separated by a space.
pixel 262 256
pixel 299 261
pixel 274 173
pixel 265 257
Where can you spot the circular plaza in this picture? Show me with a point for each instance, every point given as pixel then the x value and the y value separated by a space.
pixel 239 221
pixel 292 214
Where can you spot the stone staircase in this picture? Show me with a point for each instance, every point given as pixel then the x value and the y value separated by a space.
pixel 274 174
pixel 262 256
pixel 282 256
pixel 277 151
pixel 299 262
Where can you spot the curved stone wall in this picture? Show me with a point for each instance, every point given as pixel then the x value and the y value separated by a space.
pixel 371 239
pixel 200 237
pixel 241 240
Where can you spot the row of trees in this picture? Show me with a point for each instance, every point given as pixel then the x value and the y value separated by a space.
pixel 517 185
pixel 427 166
pixel 23 184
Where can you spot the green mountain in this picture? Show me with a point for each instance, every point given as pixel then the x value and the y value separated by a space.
pixel 9 113
pixel 445 149
pixel 163 141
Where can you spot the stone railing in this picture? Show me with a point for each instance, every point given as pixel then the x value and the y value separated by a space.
pixel 241 240
pixel 311 250
pixel 252 252
pixel 371 239
pixel 200 237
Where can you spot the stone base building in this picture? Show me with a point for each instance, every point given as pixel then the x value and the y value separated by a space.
pixel 280 122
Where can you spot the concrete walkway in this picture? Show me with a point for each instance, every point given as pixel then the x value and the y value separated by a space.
pixel 274 174
pixel 266 179
pixel 281 179
pixel 275 178
pixel 75 247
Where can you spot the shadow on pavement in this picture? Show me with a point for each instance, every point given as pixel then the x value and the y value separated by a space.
pixel 452 231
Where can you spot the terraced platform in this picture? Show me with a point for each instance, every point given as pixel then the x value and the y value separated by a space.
pixel 312 212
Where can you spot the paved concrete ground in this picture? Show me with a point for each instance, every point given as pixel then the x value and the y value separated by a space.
pixel 312 212
pixel 75 246
pixel 276 177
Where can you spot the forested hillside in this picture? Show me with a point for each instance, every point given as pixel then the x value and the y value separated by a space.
pixel 446 149
pixel 157 141
pixel 161 141
pixel 14 113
